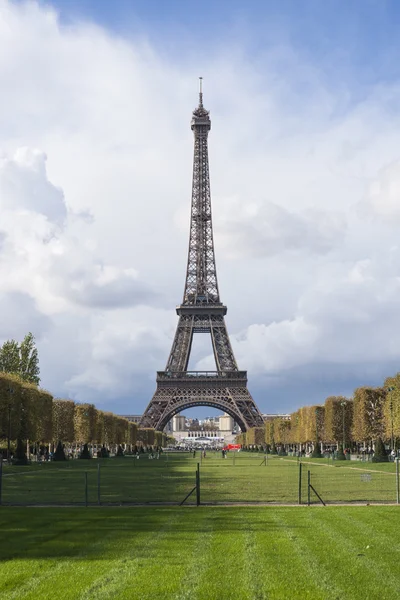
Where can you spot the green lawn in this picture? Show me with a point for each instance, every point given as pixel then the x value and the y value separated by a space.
pixel 205 553
pixel 240 478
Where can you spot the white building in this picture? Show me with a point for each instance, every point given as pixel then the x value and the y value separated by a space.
pixel 209 432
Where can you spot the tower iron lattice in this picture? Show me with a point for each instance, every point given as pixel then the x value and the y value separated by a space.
pixel 201 311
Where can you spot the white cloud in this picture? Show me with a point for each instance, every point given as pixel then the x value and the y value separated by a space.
pixel 48 254
pixel 262 229
pixel 24 186
pixel 383 196
pixel 95 176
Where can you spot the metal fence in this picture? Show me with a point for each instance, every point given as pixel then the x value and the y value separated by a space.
pixel 183 478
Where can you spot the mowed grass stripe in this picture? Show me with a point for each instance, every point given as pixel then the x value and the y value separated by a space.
pixel 365 557
pixel 123 548
pixel 136 554
pixel 242 552
pixel 281 571
pixel 306 546
pixel 225 568
pixel 254 567
pixel 199 549
pixel 360 570
pixel 19 580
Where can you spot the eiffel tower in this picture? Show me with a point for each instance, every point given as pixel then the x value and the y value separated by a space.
pixel 201 311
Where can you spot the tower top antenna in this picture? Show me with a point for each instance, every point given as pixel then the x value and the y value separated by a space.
pixel 200 92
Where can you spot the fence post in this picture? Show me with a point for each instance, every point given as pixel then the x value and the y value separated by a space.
pixel 1 475
pixel 309 487
pixel 397 482
pixel 198 485
pixel 86 489
pixel 300 472
pixel 98 483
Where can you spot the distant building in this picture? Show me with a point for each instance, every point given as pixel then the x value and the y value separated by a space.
pixel 132 418
pixel 270 417
pixel 220 427
pixel 226 423
pixel 137 419
pixel 210 431
pixel 178 423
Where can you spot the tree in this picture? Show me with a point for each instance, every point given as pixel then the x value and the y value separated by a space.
pixel 59 454
pixel 21 359
pixel 391 410
pixel 120 452
pixel 63 420
pixel 281 431
pixel 338 412
pixel 9 357
pixel 20 456
pixel 369 413
pixel 380 454
pixel 29 360
pixel 255 435
pixel 85 419
pixel 85 454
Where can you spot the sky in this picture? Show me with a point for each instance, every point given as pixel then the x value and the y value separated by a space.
pixel 95 185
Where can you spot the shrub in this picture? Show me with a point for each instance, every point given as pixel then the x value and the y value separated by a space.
pixel 104 453
pixel 59 454
pixel 85 454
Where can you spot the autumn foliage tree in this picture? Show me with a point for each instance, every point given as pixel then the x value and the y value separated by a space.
pixel 368 414
pixel 85 423
pixel 338 419
pixel 63 420
pixel 391 409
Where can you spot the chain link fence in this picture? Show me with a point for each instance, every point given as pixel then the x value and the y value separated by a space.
pixel 176 478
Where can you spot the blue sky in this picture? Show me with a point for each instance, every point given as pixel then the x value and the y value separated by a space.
pixel 362 35
pixel 305 172
pixel 353 44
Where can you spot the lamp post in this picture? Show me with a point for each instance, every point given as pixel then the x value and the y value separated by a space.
pixel 343 404
pixel 390 390
pixel 317 451
pixel 10 391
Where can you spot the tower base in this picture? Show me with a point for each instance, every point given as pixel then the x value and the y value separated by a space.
pixel 224 390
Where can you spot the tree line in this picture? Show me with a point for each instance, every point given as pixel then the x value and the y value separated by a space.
pixel 371 416
pixel 31 414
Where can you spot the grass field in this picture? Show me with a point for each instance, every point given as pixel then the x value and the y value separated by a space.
pixel 241 478
pixel 204 553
